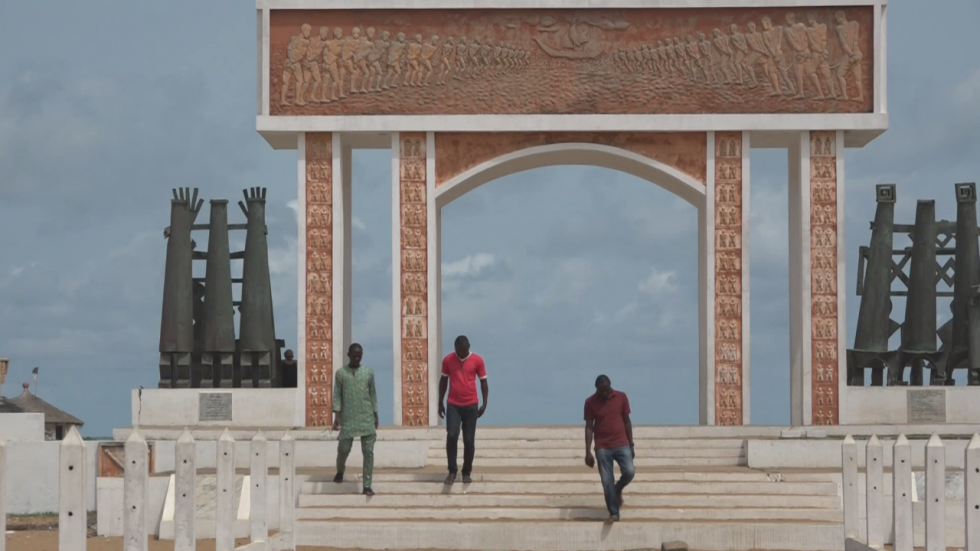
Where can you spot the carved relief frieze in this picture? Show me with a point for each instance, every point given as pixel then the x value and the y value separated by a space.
pixel 823 277
pixel 319 280
pixel 414 276
pixel 728 278
pixel 565 61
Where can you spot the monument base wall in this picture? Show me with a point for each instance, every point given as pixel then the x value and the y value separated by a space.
pixel 206 407
pixel 900 405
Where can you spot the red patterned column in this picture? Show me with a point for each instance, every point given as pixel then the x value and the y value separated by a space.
pixel 319 279
pixel 728 278
pixel 414 269
pixel 823 278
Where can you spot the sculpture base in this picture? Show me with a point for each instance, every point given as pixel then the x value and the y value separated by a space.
pixel 202 407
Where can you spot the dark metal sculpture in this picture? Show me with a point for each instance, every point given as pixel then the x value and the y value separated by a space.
pixel 257 341
pixel 874 326
pixel 177 320
pixel 877 271
pixel 197 329
pixel 218 346
pixel 919 329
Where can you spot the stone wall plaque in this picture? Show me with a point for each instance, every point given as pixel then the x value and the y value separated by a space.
pixel 214 406
pixel 926 406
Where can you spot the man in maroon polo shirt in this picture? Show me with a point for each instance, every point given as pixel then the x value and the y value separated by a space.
pixel 460 369
pixel 607 419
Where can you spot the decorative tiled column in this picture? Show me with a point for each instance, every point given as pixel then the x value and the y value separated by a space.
pixel 730 279
pixel 825 240
pixel 318 353
pixel 411 275
pixel 816 269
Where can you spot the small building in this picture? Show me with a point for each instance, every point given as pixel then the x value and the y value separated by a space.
pixel 57 423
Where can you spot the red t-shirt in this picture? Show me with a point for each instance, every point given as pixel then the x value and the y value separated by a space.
pixel 609 430
pixel 462 378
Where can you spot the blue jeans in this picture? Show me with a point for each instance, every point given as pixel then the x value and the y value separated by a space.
pixel 610 487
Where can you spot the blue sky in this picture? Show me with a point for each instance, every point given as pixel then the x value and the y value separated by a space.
pixel 555 274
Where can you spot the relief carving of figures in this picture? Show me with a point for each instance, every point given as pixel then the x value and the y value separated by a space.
pixel 435 64
pixel 824 192
pixel 413 192
pixel 729 306
pixel 728 194
pixel 413 238
pixel 728 262
pixel 414 328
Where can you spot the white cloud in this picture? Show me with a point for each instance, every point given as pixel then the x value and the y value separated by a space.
pixel 358 223
pixel 470 266
pixel 658 283
pixel 568 283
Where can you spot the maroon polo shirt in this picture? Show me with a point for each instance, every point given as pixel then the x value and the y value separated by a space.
pixel 609 428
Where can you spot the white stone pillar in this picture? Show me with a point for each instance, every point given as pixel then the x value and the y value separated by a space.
pixel 971 496
pixel 257 496
pixel 287 474
pixel 434 295
pixel 226 511
pixel 3 496
pixel 816 270
pixel 302 250
pixel 185 504
pixel 325 181
pixel 850 488
pixel 935 494
pixel 902 493
pixel 72 517
pixel 728 268
pixel 874 492
pixel 411 184
pixel 706 293
pixel 136 477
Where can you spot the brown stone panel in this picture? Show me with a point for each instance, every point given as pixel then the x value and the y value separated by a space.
pixel 319 279
pixel 568 61
pixel 458 152
pixel 728 278
pixel 823 276
pixel 414 276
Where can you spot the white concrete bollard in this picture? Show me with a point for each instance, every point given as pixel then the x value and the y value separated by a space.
pixel 902 493
pixel 971 498
pixel 185 484
pixel 136 477
pixel 287 474
pixel 850 488
pixel 874 492
pixel 72 516
pixel 3 496
pixel 226 512
pixel 259 473
pixel 935 494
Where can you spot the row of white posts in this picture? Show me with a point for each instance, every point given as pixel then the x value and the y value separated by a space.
pixel 935 498
pixel 72 517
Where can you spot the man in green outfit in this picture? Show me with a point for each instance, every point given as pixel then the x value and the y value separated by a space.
pixel 355 407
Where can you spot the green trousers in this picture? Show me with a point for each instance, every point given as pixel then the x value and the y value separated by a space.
pixel 367 450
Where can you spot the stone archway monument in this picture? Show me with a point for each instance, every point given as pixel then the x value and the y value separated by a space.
pixel 466 91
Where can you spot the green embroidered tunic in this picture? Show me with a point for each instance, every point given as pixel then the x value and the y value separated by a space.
pixel 356 401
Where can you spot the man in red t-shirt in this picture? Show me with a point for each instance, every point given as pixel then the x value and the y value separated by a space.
pixel 607 418
pixel 460 369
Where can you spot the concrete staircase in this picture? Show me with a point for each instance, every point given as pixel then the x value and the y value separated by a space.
pixel 537 495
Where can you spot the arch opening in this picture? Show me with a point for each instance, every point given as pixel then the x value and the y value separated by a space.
pixel 617 298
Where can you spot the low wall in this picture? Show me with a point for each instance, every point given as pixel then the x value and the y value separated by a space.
pixel 250 407
pixel 32 476
pixel 890 405
pixel 827 454
pixel 22 427
pixel 309 453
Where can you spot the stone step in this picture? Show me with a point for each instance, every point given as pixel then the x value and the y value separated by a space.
pixel 579 453
pixel 586 475
pixel 507 535
pixel 568 488
pixel 354 500
pixel 639 462
pixel 579 443
pixel 574 513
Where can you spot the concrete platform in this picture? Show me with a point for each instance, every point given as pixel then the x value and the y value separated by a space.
pixel 503 535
